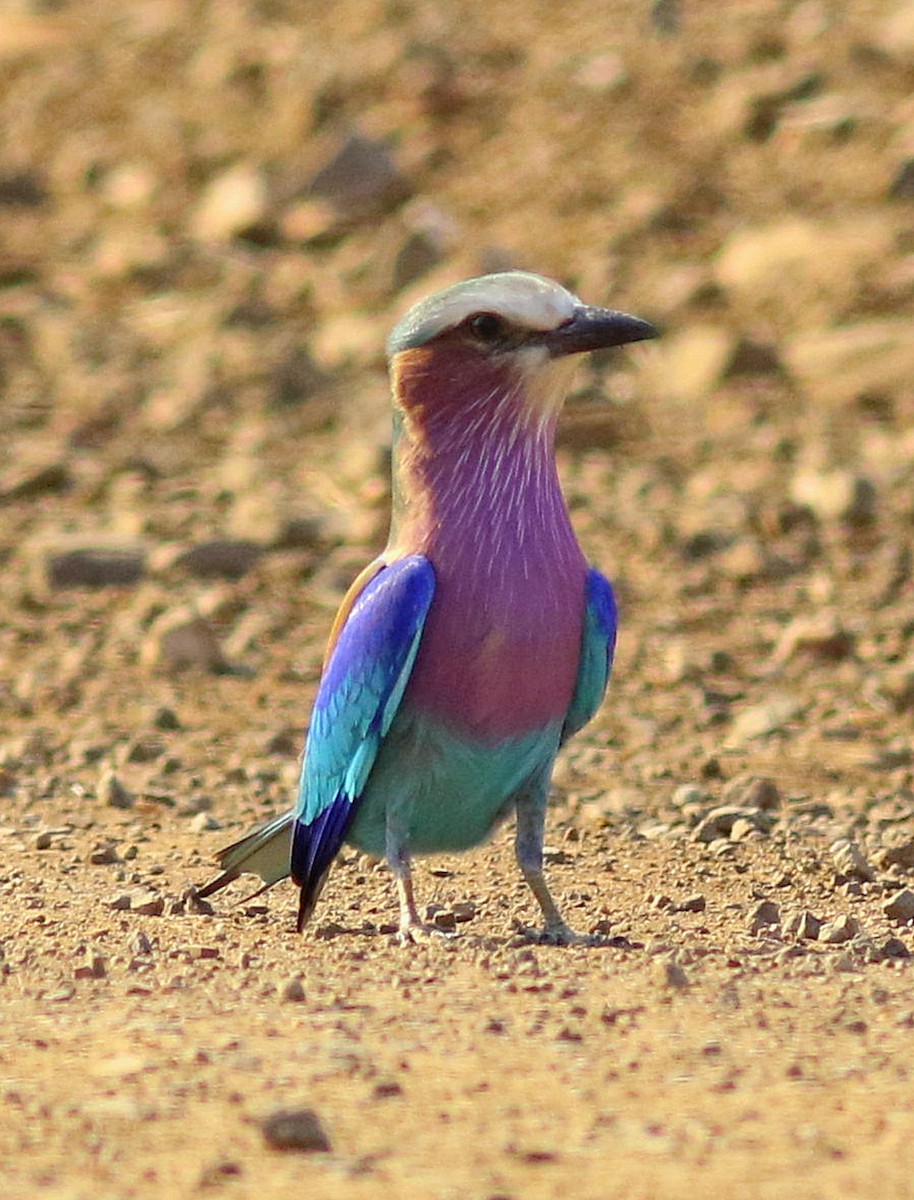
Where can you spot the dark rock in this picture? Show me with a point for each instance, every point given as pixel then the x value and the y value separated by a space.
pixel 287 743
pixel 761 793
pixel 903 184
pixel 416 257
pixel 900 907
pixel 102 856
pixel 822 635
pixel 804 925
pixel 221 558
pixel 26 482
pixel 293 991
pixel 112 792
pixel 113 564
pixel 386 1088
pixel 670 974
pixel 181 639
pixel 765 913
pixel 898 850
pixel 24 189
pixel 166 720
pixel 894 947
pixel 296 379
pixel 753 358
pixel 666 16
pixel 296 1129
pixel 361 178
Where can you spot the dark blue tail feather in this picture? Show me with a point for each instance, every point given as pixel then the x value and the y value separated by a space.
pixel 314 848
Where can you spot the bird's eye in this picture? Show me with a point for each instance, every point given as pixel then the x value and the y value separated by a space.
pixel 486 327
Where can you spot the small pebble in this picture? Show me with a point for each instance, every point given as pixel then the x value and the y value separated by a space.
pixel 221 558
pixel 166 719
pixel 180 639
pixel 140 943
pixel 719 823
pixel 102 856
pixel 230 204
pixel 762 794
pixel 901 906
pixel 743 830
pixel 670 974
pixel 766 913
pixel 898 850
pixel 386 1088
pixel 82 566
pixel 145 902
pixel 804 925
pixel 850 860
pixel 61 994
pixel 293 990
pixel 112 792
pixel 894 947
pixel 695 903
pixel 842 929
pixel 296 1129
pixel 687 793
pixel 203 822
pixel 93 966
pixel 361 178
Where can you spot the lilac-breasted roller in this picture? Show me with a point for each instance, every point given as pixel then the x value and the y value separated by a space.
pixel 480 640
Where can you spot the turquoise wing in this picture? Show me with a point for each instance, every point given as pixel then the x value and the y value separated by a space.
pixel 597 646
pixel 359 695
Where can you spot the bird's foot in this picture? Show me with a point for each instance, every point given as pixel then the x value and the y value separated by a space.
pixel 412 933
pixel 557 934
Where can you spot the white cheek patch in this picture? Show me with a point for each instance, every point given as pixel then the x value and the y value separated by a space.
pixel 545 380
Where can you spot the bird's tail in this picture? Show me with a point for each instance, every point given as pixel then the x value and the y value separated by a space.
pixel 265 851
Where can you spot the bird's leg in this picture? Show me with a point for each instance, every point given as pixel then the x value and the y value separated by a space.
pixel 412 928
pixel 409 915
pixel 531 819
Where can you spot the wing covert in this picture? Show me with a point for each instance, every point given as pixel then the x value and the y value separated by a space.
pixel 360 692
pixel 597 647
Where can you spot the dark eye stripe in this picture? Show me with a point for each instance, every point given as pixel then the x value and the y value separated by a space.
pixel 487 327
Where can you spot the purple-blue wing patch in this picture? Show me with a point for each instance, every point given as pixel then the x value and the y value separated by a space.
pixel 359 695
pixel 597 647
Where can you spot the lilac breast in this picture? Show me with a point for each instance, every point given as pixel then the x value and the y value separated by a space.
pixel 501 645
pixel 495 664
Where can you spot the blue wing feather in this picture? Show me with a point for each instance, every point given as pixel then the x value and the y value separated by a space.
pixel 360 691
pixel 597 647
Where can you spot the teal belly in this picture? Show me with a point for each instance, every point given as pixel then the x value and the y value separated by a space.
pixel 445 791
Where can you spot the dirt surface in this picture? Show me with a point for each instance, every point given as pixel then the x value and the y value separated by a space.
pixel 210 216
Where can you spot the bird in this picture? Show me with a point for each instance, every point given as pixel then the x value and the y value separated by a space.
pixel 480 639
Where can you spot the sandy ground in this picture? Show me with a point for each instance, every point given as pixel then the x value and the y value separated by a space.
pixel 210 216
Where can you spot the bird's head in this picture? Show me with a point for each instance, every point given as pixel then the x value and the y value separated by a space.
pixel 509 338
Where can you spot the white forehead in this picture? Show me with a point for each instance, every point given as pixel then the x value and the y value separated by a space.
pixel 523 299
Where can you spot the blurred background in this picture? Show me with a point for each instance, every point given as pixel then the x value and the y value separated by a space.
pixel 211 214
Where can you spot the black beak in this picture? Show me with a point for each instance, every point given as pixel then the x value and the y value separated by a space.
pixel 593 328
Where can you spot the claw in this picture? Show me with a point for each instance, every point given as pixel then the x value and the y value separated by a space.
pixel 559 935
pixel 413 933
